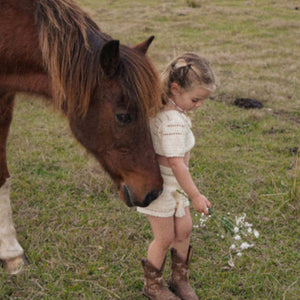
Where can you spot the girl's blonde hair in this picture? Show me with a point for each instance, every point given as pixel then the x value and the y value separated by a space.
pixel 187 70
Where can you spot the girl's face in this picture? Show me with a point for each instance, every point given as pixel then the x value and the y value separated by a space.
pixel 189 99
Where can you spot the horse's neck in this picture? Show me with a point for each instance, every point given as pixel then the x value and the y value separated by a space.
pixel 21 63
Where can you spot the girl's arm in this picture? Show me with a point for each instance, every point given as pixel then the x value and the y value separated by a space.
pixel 184 178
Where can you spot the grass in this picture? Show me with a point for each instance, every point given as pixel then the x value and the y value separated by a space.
pixel 83 243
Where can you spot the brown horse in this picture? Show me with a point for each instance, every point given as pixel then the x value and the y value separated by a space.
pixel 106 90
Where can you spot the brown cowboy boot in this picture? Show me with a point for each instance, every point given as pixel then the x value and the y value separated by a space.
pixel 154 287
pixel 179 281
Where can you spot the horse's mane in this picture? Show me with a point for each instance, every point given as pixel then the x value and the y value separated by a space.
pixel 72 57
pixel 141 81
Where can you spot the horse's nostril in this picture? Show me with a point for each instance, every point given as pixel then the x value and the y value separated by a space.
pixel 131 199
pixel 152 196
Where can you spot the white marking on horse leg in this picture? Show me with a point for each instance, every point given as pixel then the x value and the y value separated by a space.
pixel 9 246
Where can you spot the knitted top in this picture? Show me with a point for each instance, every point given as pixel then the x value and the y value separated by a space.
pixel 171 133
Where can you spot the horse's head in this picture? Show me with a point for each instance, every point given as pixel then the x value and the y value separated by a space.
pixel 115 127
pixel 107 92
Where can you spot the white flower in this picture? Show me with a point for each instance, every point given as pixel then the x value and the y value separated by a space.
pixel 231 263
pixel 235 229
pixel 256 233
pixel 240 220
pixel 232 247
pixel 248 224
pixel 222 237
pixel 237 237
pixel 249 230
pixel 245 246
pixel 239 254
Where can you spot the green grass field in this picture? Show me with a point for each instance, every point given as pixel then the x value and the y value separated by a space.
pixel 84 243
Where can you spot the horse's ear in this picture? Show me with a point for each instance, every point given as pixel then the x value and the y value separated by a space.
pixel 143 46
pixel 110 57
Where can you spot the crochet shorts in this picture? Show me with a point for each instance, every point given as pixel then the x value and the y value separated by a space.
pixel 170 202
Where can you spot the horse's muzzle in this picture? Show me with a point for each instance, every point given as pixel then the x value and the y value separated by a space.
pixel 131 200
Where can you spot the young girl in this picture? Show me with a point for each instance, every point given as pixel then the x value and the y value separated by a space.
pixel 187 81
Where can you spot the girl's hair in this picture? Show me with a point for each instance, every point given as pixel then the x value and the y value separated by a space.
pixel 187 70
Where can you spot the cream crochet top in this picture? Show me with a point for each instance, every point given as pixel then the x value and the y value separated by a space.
pixel 171 133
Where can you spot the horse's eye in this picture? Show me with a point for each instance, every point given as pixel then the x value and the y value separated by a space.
pixel 123 118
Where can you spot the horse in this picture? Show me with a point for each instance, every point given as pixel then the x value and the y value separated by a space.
pixel 106 90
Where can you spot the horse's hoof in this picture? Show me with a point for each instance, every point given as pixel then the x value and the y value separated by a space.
pixel 15 265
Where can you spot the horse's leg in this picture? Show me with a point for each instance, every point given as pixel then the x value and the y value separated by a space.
pixel 11 253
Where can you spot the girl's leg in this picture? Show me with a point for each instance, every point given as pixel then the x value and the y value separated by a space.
pixel 181 254
pixel 183 228
pixel 163 231
pixel 154 286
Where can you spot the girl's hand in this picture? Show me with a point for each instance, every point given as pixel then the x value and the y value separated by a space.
pixel 201 204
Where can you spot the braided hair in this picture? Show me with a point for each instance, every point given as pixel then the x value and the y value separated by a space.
pixel 187 70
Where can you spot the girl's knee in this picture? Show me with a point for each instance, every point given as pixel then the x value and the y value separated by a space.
pixel 165 242
pixel 182 236
pixel 184 232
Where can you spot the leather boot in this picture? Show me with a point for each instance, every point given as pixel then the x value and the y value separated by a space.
pixel 179 282
pixel 154 287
